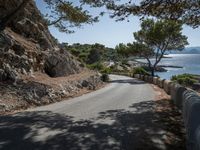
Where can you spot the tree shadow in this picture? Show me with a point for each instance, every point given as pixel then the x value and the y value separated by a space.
pixel 142 126
pixel 130 81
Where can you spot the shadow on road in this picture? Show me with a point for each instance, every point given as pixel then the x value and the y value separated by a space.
pixel 130 81
pixel 146 126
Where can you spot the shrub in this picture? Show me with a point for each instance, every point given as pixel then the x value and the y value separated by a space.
pixel 184 79
pixel 140 70
pixel 96 66
pixel 105 77
pixel 83 57
pixel 125 62
pixel 106 70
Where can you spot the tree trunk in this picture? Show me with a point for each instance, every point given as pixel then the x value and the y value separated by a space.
pixel 5 20
pixel 152 71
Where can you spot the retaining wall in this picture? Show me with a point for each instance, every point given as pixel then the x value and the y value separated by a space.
pixel 188 101
pixel 166 86
pixel 160 82
pixel 155 80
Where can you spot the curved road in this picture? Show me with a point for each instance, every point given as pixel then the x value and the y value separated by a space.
pixel 118 117
pixel 120 94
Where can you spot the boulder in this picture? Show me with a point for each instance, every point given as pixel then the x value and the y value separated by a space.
pixel 57 65
pixel 18 49
pixel 8 74
pixel 3 75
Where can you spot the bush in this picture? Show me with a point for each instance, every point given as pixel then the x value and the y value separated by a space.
pixel 125 62
pixel 106 70
pixel 96 66
pixel 140 70
pixel 185 79
pixel 105 77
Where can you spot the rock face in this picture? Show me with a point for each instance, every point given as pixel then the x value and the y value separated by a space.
pixel 26 45
pixel 59 64
pixel 30 57
pixel 45 90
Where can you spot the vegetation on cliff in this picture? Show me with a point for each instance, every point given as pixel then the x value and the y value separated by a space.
pixel 185 79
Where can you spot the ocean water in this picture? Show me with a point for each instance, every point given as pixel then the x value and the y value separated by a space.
pixel 189 62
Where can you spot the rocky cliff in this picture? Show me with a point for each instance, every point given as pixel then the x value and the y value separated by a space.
pixel 33 69
pixel 26 45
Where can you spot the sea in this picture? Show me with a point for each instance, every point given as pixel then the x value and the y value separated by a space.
pixel 189 62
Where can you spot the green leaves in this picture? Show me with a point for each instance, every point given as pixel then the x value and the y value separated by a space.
pixel 161 35
pixel 65 16
pixel 153 40
pixel 157 37
pixel 185 11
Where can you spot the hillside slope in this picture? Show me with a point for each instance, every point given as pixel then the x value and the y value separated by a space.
pixel 31 62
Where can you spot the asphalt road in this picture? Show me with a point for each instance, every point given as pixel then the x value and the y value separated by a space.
pixel 120 94
pixel 119 116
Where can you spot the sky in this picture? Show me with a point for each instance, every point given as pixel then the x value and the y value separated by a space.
pixel 110 33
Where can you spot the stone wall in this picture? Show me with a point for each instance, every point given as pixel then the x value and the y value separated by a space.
pixel 188 102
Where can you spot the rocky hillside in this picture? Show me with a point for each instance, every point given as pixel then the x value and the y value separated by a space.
pixel 29 54
pixel 27 46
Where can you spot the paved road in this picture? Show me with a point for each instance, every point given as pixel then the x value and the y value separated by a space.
pixel 117 117
pixel 120 94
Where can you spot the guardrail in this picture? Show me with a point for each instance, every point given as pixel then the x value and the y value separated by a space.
pixel 188 101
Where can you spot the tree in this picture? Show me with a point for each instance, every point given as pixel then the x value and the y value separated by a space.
pixel 94 56
pixel 184 11
pixel 96 53
pixel 63 15
pixel 156 38
pixel 122 49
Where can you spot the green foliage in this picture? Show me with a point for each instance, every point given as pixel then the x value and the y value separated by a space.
pixel 106 70
pixel 111 54
pixel 155 38
pixel 83 57
pixel 180 10
pixel 96 66
pixel 122 49
pixel 140 70
pixel 124 62
pixel 91 53
pixel 64 15
pixel 105 77
pixel 185 79
pixel 161 35
pixel 184 11
pixel 94 56
pixel 75 52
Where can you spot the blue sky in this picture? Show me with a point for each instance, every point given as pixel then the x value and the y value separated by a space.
pixel 111 33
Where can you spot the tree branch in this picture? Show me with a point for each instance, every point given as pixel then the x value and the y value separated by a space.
pixel 56 21
pixel 5 20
